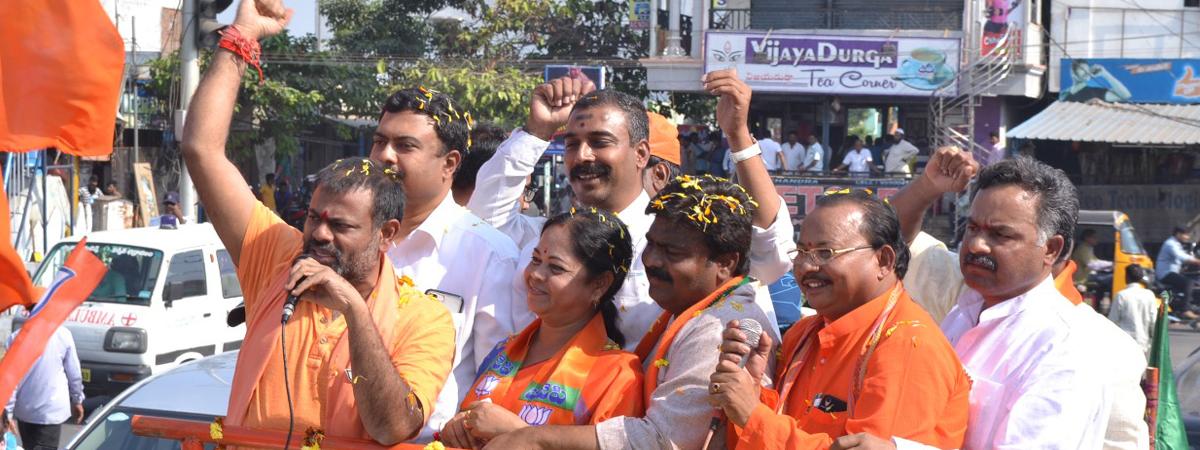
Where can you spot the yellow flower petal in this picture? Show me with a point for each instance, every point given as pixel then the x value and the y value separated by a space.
pixel 215 429
pixel 661 362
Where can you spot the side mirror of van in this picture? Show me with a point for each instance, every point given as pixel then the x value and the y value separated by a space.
pixel 171 292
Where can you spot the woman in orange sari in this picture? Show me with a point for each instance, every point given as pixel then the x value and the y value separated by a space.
pixel 567 367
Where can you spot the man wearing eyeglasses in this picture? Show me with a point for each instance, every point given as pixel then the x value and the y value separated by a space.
pixel 871 360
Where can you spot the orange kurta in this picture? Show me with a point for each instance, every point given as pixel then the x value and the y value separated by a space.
pixel 588 381
pixel 1065 283
pixel 417 330
pixel 914 387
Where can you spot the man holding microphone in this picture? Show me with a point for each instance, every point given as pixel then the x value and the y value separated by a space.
pixel 366 353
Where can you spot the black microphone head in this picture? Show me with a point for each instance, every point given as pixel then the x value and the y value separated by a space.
pixel 753 331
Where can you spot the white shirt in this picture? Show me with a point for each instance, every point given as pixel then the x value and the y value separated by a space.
pixel 501 181
pixel 456 252
pixel 859 161
pixel 814 153
pixel 1036 372
pixel 1135 310
pixel 896 157
pixel 935 281
pixel 770 153
pixel 793 156
pixel 45 395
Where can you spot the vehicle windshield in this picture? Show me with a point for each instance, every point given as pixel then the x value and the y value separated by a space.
pixel 113 431
pixel 1129 240
pixel 132 271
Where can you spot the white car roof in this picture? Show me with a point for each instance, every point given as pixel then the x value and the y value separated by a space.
pixel 199 387
pixel 183 238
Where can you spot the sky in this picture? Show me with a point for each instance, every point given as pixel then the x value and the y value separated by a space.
pixel 303 20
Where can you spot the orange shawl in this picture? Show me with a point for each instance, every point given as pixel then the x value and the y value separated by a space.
pixel 664 334
pixel 588 380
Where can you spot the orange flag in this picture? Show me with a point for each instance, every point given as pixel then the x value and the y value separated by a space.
pixel 15 285
pixel 73 284
pixel 60 76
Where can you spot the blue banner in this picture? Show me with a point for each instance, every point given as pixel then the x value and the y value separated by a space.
pixel 1130 80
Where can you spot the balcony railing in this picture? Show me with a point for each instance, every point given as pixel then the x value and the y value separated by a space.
pixel 838 18
pixel 729 19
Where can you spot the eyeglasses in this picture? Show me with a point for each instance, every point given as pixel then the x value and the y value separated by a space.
pixel 530 192
pixel 821 256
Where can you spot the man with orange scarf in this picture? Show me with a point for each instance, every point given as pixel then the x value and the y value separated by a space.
pixel 700 287
pixel 870 360
pixel 366 353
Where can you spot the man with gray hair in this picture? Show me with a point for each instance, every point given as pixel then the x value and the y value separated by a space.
pixel 1038 377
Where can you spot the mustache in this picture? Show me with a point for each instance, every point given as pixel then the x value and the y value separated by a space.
pixel 982 261
pixel 815 276
pixel 312 247
pixel 590 168
pixel 655 272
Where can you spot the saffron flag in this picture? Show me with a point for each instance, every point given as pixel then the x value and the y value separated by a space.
pixel 15 286
pixel 61 63
pixel 73 283
pixel 1169 434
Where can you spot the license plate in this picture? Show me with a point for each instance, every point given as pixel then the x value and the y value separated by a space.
pixel 87 375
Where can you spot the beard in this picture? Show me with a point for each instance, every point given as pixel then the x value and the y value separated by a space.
pixel 355 267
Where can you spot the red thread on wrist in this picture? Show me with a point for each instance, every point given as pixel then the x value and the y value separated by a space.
pixel 243 47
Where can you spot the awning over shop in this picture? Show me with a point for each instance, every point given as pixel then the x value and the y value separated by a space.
pixel 1115 123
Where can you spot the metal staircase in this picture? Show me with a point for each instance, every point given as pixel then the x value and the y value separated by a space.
pixel 952 112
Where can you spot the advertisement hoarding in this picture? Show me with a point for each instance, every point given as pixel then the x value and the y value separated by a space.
pixel 831 64
pixel 1130 80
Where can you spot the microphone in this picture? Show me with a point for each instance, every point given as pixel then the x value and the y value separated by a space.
pixel 753 331
pixel 289 305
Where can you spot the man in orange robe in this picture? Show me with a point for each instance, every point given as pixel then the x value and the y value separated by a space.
pixel 871 360
pixel 366 353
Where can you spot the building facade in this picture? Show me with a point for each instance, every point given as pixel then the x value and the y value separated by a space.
pixel 944 71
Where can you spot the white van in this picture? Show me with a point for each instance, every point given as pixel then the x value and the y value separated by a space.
pixel 162 303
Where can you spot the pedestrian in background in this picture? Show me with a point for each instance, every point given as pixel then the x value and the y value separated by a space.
pixel 1135 308
pixel 50 393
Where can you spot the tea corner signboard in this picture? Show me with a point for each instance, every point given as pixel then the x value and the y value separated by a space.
pixel 828 64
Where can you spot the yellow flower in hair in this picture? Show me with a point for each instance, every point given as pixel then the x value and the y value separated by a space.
pixel 691 183
pixel 661 362
pixel 435 445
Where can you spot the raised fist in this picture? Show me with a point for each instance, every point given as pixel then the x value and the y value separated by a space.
pixel 552 102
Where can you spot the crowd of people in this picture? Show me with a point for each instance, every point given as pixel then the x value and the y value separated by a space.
pixel 431 308
pixel 709 152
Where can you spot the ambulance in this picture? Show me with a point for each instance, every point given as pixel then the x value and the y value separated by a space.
pixel 163 302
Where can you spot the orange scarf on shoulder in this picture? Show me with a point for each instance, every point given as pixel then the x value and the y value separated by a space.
pixel 555 397
pixel 662 334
